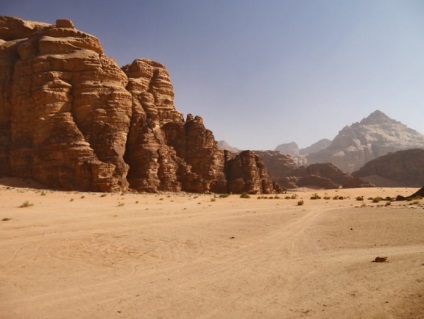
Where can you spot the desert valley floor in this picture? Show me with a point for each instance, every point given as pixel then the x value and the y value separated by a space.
pixel 92 255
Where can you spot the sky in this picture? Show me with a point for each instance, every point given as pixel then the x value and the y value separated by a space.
pixel 263 73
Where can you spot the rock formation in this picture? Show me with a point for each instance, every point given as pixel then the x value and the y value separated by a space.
pixel 280 167
pixel 291 149
pixel 247 173
pixel 316 147
pixel 223 145
pixel 401 169
pixel 326 175
pixel 418 194
pixel 362 142
pixel 284 171
pixel 71 118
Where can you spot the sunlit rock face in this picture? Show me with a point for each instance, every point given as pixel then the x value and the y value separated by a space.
pixel 71 118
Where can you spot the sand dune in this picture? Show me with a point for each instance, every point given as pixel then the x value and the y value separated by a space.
pixel 91 255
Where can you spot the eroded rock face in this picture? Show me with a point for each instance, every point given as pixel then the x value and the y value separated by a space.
pixel 71 118
pixel 247 173
pixel 60 120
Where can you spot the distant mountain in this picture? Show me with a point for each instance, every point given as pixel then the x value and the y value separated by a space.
pixel 291 149
pixel 362 142
pixel 225 146
pixel 316 147
pixel 284 170
pixel 402 169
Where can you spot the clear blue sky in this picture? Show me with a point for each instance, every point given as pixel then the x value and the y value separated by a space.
pixel 267 72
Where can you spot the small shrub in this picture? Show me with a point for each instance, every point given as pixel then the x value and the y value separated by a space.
pixel 377 199
pixel 294 196
pixel 103 195
pixel 315 196
pixel 43 193
pixel 6 219
pixel 300 203
pixel 213 199
pixel 121 204
pixel 244 195
pixel 327 197
pixel 388 203
pixel 223 195
pixel 26 204
pixel 359 198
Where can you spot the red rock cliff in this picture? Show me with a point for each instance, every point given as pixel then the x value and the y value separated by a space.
pixel 71 118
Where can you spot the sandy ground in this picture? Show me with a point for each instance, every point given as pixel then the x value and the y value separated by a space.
pixel 90 255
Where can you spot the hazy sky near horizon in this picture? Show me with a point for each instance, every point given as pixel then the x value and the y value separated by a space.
pixel 262 73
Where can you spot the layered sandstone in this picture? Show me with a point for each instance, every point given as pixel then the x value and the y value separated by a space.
pixel 71 118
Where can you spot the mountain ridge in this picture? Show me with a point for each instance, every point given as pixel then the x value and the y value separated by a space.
pixel 361 142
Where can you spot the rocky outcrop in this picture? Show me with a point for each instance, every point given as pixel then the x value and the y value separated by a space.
pixel 326 175
pixel 71 118
pixel 280 167
pixel 247 173
pixel 284 171
pixel 418 194
pixel 402 169
pixel 362 142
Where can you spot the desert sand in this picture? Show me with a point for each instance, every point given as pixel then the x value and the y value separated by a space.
pixel 92 255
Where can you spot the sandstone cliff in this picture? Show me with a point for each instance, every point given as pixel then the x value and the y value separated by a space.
pixel 402 168
pixel 71 118
pixel 361 142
